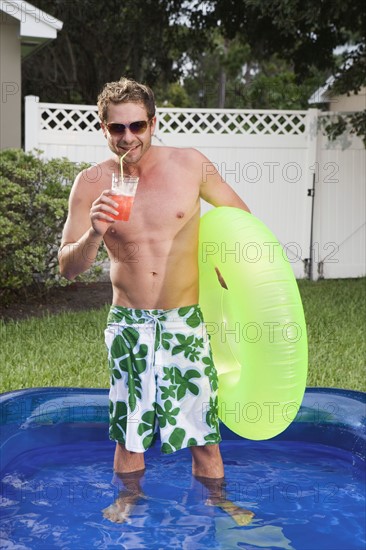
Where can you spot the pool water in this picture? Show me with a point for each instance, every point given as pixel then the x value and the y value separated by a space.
pixel 305 496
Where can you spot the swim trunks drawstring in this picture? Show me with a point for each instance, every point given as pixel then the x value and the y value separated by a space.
pixel 155 318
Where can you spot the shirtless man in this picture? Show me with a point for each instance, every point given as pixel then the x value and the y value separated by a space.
pixel 154 275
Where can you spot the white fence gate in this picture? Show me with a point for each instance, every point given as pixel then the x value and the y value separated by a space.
pixel 271 158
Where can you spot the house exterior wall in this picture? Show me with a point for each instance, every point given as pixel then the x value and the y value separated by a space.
pixel 354 102
pixel 10 78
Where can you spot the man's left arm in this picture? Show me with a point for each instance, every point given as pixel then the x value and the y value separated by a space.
pixel 215 190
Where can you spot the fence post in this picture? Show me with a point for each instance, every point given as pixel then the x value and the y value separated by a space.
pixel 31 133
pixel 312 180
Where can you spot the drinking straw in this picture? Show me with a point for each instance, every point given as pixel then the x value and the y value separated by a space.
pixel 121 161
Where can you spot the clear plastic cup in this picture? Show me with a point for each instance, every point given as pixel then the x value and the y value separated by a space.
pixel 124 191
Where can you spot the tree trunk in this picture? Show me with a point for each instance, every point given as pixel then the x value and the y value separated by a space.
pixel 222 88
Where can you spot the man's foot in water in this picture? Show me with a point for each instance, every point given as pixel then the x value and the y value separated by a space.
pixel 241 516
pixel 122 507
pixel 216 488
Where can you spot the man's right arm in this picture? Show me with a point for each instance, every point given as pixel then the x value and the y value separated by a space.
pixel 86 224
pixel 77 257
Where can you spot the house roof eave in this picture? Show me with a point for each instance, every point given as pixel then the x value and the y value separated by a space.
pixel 36 26
pixel 33 21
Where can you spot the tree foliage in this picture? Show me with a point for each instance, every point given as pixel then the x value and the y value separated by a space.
pixel 217 53
pixel 101 41
pixel 229 76
pixel 304 33
pixel 150 40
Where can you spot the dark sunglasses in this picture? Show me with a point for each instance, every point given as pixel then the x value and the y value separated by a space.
pixel 138 127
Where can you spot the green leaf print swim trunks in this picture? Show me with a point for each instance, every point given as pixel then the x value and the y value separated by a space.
pixel 162 376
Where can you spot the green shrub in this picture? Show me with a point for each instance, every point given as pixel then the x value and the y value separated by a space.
pixel 33 209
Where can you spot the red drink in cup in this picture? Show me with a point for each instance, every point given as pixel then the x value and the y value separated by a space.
pixel 124 190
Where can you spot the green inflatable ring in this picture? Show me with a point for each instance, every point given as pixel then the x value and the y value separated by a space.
pixel 256 326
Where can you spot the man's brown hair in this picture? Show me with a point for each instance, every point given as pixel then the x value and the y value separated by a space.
pixel 124 91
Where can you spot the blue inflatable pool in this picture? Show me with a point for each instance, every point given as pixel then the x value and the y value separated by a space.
pixel 305 487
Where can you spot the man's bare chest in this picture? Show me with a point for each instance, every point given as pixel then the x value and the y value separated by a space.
pixel 161 209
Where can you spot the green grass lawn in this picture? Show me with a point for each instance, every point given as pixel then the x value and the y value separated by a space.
pixel 335 318
pixel 68 349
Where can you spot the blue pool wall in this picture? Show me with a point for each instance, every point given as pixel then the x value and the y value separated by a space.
pixel 40 417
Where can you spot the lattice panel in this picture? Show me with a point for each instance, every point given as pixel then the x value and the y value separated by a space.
pixel 72 120
pixel 190 121
pixel 243 122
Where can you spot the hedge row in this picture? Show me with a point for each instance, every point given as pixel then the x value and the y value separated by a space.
pixel 33 209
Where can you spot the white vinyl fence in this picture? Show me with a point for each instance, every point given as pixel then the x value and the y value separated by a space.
pixel 309 191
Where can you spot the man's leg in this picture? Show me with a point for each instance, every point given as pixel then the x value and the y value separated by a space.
pixel 129 493
pixel 207 461
pixel 129 468
pixel 127 461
